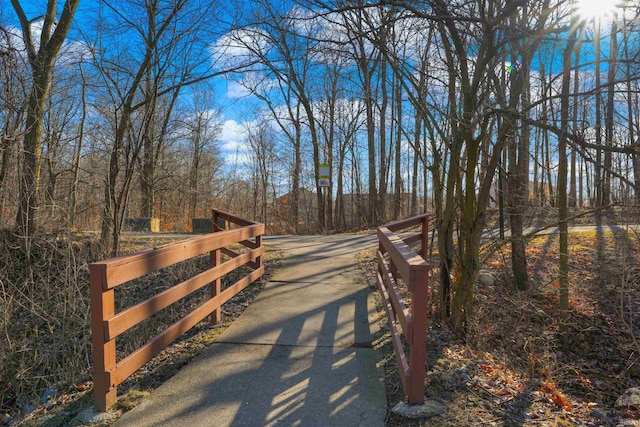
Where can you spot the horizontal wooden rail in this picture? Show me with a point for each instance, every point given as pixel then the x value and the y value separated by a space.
pixel 107 325
pixel 402 262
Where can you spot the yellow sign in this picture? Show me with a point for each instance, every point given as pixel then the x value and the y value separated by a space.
pixel 325 171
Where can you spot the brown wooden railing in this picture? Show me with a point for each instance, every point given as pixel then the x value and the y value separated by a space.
pixel 403 262
pixel 107 325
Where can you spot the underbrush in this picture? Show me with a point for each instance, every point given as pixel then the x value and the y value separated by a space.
pixel 520 364
pixel 580 365
pixel 44 317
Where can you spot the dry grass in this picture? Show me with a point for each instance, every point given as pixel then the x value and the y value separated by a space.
pixel 515 368
pixel 44 333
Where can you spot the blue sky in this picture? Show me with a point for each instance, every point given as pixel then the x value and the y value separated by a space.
pixel 234 101
pixel 230 98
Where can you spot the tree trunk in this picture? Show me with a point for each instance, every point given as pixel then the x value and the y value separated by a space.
pixel 42 65
pixel 194 173
pixel 608 122
pixel 295 190
pixel 372 217
pixel 547 152
pixel 597 181
pixel 563 271
pixel 147 169
pixel 635 158
pixel 381 205
pixel 73 190
pixel 340 211
pixel 416 159
pixel 576 89
pixel 519 179
pixel 397 200
pixel 32 150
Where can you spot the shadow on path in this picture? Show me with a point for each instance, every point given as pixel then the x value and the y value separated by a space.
pixel 301 354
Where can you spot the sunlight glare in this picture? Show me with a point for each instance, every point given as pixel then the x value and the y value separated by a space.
pixel 595 8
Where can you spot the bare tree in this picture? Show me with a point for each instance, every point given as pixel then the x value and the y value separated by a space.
pixel 13 95
pixel 358 24
pixel 42 56
pixel 135 82
pixel 284 51
pixel 73 188
pixel 563 271
pixel 349 121
pixel 470 82
pixel 518 146
pixel 201 131
pixel 610 112
pixel 262 146
pixel 58 139
pixel 633 124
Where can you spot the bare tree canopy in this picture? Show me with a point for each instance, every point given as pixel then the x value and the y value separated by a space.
pixel 458 108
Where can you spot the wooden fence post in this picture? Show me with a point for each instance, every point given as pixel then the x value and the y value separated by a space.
pixel 259 244
pixel 104 353
pixel 418 341
pixel 214 260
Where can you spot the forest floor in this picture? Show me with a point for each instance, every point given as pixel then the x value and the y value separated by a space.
pixel 519 365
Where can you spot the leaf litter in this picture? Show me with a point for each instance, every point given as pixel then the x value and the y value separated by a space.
pixel 516 367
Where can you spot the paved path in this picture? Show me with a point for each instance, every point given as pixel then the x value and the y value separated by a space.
pixel 300 355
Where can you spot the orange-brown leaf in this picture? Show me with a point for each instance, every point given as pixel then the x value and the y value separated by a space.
pixel 504 392
pixel 561 402
pixel 487 369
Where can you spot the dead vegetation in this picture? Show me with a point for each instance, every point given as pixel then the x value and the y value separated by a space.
pixel 44 306
pixel 517 367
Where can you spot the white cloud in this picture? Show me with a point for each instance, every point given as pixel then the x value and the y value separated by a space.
pixel 232 136
pixel 239 48
pixel 235 90
pixel 233 143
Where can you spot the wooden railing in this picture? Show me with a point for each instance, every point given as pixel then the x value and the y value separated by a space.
pixel 107 325
pixel 412 267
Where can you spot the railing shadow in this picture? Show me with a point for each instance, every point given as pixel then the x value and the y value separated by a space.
pixel 312 367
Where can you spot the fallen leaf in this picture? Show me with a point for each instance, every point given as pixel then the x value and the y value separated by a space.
pixel 487 369
pixel 561 402
pixel 504 392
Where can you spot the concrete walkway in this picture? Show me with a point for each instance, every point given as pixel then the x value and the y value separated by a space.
pixel 300 355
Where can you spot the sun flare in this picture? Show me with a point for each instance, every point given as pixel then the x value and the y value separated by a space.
pixel 595 8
